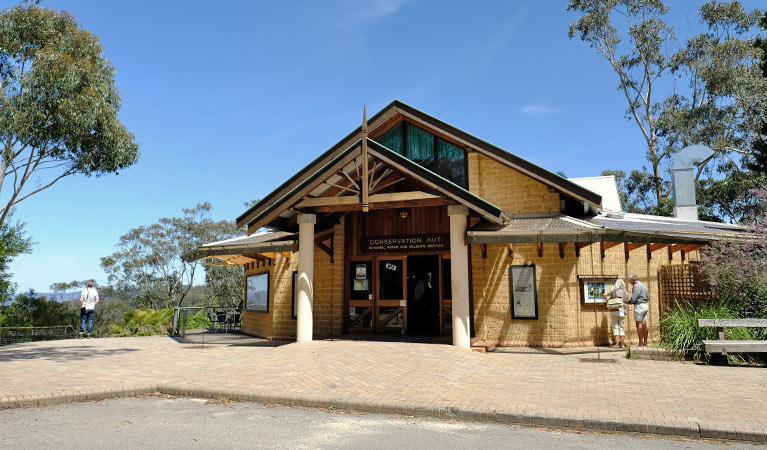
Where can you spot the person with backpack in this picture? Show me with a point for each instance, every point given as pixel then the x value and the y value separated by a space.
pixel 618 314
pixel 89 298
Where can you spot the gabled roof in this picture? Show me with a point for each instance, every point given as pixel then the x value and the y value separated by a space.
pixel 469 142
pixel 274 209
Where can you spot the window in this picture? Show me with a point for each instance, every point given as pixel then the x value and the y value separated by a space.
pixel 392 139
pixel 524 294
pixel 428 151
pixel 257 293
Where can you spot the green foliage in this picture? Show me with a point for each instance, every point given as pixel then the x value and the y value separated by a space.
pixel 29 310
pixel 223 285
pixel 58 103
pixel 108 312
pixel 680 330
pixel 758 162
pixel 718 97
pixel 199 320
pixel 13 242
pixel 143 322
pixel 148 269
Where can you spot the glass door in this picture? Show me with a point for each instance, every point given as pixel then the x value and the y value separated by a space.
pixel 361 311
pixel 391 299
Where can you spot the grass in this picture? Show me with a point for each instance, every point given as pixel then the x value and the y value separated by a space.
pixel 681 333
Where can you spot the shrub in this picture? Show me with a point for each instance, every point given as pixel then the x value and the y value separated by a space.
pixel 737 270
pixel 680 330
pixel 199 320
pixel 143 322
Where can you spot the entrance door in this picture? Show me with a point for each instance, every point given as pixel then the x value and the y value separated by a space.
pixel 391 307
pixel 361 317
pixel 423 286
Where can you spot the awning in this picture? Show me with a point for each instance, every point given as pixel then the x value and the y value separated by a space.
pixel 245 249
pixel 608 227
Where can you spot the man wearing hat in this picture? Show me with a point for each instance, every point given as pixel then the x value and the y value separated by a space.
pixel 89 298
pixel 640 295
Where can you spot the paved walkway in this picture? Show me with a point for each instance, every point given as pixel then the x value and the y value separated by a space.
pixel 541 387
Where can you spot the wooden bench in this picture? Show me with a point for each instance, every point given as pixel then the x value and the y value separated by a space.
pixel 724 346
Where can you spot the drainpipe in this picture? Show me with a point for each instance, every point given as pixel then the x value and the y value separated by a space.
pixel 683 179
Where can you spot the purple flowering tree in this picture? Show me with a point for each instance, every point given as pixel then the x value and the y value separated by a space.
pixel 737 270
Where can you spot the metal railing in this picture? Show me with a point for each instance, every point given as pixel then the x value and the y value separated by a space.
pixel 15 335
pixel 231 317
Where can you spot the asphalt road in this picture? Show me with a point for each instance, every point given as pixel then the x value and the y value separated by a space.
pixel 199 424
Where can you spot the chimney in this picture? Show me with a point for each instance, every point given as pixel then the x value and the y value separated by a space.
pixel 683 180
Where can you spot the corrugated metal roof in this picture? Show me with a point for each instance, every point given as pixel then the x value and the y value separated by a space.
pixel 609 227
pixel 231 250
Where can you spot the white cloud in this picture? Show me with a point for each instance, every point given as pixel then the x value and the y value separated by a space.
pixel 373 11
pixel 538 110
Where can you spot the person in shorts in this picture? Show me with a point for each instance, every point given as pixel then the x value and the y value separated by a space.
pixel 640 296
pixel 618 316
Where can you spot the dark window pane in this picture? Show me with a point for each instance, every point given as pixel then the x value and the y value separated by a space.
pixel 391 317
pixel 451 163
pixel 390 275
pixel 365 321
pixel 392 139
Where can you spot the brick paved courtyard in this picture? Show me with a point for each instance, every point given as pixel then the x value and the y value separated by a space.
pixel 530 386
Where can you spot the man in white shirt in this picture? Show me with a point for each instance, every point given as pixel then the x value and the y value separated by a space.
pixel 89 298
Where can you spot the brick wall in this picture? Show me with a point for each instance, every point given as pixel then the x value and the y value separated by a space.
pixel 279 323
pixel 258 323
pixel 563 320
pixel 509 189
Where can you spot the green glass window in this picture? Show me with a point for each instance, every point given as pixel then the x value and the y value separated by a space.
pixel 392 139
pixel 451 163
pixel 446 160
pixel 420 146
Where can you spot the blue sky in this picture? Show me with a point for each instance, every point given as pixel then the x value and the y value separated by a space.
pixel 229 99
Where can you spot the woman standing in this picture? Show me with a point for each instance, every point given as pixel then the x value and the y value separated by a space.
pixel 618 315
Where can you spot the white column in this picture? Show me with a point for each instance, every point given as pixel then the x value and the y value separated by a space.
pixel 459 273
pixel 305 294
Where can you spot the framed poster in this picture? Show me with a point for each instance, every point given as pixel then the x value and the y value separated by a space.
pixel 593 286
pixel 524 295
pixel 257 293
pixel 295 293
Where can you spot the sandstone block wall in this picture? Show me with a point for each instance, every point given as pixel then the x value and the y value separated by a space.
pixel 509 189
pixel 279 323
pixel 563 319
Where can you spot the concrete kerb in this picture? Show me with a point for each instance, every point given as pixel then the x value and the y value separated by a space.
pixel 688 430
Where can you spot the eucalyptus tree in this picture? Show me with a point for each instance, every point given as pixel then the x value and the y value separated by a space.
pixel 759 157
pixel 148 270
pixel 58 105
pixel 637 59
pixel 715 95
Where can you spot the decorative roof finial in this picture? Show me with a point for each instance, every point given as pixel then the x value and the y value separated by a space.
pixel 365 182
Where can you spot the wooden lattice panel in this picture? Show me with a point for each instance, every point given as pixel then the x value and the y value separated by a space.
pixel 683 282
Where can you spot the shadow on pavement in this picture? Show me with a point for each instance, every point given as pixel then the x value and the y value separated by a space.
pixel 9 353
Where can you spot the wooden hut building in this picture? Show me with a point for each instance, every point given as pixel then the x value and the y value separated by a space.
pixel 411 226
